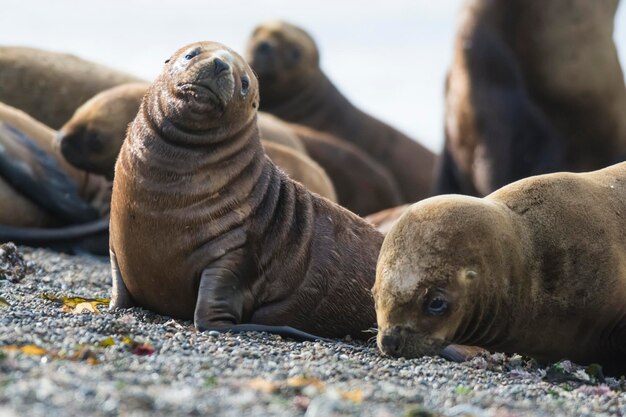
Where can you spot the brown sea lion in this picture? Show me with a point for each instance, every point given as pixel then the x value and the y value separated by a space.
pixel 301 168
pixel 205 226
pixel 49 85
pixel 384 220
pixel 92 138
pixel 361 183
pixel 537 267
pixel 294 88
pixel 533 88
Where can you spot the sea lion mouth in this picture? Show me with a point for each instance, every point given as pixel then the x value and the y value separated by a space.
pixel 203 93
pixel 401 341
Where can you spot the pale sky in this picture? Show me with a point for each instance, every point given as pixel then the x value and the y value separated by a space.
pixel 389 58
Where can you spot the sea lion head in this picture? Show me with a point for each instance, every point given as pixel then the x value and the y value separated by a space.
pixel 284 57
pixel 205 90
pixel 92 138
pixel 437 268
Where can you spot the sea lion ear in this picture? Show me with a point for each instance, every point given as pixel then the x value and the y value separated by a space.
pixel 167 60
pixel 469 274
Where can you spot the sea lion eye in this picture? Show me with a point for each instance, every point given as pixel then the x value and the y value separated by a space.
pixel 245 85
pixel 437 306
pixel 192 54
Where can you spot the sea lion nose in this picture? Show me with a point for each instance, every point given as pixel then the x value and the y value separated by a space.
pixel 264 48
pixel 219 66
pixel 392 341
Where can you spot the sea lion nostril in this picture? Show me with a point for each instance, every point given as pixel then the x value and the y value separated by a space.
pixel 219 66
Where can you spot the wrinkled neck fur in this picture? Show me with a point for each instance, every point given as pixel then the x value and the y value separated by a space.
pixel 165 166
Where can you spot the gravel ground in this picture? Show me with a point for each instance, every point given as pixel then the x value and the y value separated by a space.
pixel 55 361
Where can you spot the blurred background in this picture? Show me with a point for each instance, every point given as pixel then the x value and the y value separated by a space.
pixel 390 60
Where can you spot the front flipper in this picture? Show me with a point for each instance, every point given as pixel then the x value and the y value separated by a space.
pixel 221 299
pixel 120 297
pixel 461 353
pixel 224 301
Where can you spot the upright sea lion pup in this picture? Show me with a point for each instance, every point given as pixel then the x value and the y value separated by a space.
pixel 294 88
pixel 536 268
pixel 204 226
pixel 50 85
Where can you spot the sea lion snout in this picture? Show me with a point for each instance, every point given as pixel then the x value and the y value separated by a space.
pixel 391 341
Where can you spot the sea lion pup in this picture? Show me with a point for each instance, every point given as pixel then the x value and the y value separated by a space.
pixel 294 88
pixel 362 184
pixel 205 226
pixel 536 268
pixel 49 85
pixel 301 168
pixel 532 89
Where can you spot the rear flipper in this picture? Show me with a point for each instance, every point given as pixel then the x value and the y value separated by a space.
pixel 38 176
pixel 91 236
pixel 223 301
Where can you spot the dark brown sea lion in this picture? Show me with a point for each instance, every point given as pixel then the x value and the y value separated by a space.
pixel 49 85
pixel 538 268
pixel 294 88
pixel 204 225
pixel 361 183
pixel 534 88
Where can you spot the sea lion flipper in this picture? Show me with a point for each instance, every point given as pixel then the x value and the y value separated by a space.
pixel 460 353
pixel 283 331
pixel 120 297
pixel 37 175
pixel 220 299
